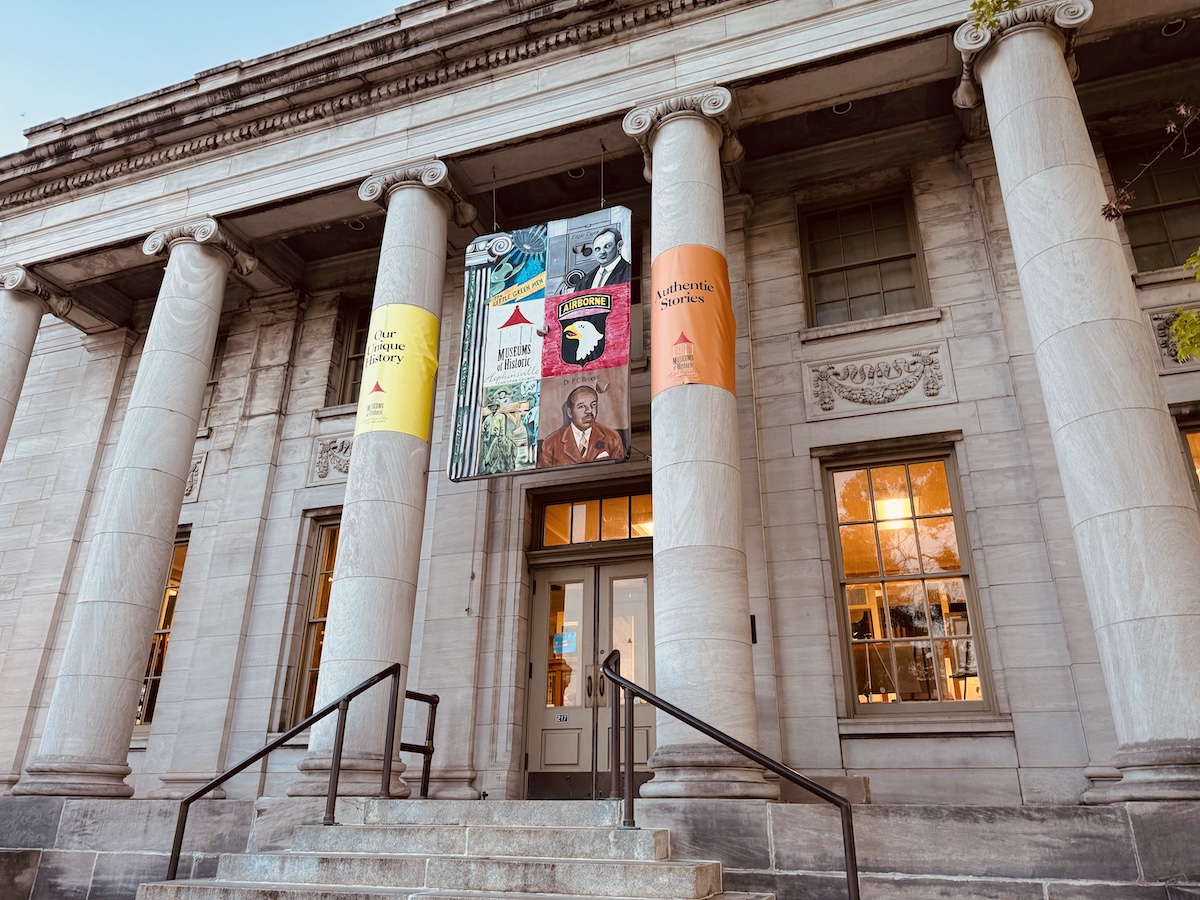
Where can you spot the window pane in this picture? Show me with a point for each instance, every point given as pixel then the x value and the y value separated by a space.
pixel 563 669
pixel 868 307
pixel 833 313
pixel 1183 222
pixel 889 213
pixel 1177 185
pixel 829 287
pixel 892 241
pixel 958 677
pixel 631 626
pixel 1144 229
pixel 859 556
pixel 948 606
pixel 873 673
pixel 897 274
pixel 857 247
pixel 823 226
pixel 898 544
pixel 916 674
pixel 642 516
pixel 1153 257
pixel 850 489
pixel 931 494
pixel 900 301
pixel 889 490
pixel 862 281
pixel 826 253
pixel 557 530
pixel 585 522
pixel 1193 440
pixel 864 603
pixel 939 544
pixel 614 519
pixel 906 609
pixel 856 220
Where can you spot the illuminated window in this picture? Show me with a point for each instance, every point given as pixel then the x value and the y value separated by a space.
pixel 162 636
pixel 861 261
pixel 1192 437
pixel 904 586
pixel 314 627
pixel 1163 221
pixel 607 519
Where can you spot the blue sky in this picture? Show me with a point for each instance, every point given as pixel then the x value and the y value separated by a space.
pixel 62 58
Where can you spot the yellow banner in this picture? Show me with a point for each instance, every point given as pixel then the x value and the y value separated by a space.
pixel 692 328
pixel 399 371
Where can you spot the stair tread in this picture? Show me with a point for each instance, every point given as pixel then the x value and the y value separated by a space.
pixel 424 893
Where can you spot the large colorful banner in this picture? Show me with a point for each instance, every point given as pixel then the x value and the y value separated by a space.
pixel 543 379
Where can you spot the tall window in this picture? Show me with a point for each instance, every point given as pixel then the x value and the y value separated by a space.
pixel 357 324
pixel 861 261
pixel 904 586
pixel 314 628
pixel 1192 436
pixel 162 636
pixel 1163 222
pixel 210 386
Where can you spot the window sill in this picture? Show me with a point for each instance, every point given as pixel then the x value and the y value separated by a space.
pixel 1170 275
pixel 911 317
pixel 335 412
pixel 950 724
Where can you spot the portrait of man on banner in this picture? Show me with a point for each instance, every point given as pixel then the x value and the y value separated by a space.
pixel 584 420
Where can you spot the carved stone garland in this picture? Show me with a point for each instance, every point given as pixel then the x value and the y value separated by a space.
pixel 878 383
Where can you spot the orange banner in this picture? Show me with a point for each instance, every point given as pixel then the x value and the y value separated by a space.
pixel 691 320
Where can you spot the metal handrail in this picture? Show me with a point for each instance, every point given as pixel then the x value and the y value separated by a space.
pixel 341 704
pixel 610 666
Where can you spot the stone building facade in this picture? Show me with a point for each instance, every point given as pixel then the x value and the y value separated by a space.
pixel 940 547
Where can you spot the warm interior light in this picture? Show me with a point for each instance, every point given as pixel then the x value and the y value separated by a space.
pixel 896 508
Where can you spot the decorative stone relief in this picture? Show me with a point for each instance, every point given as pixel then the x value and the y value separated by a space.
pixel 903 379
pixel 331 459
pixel 191 488
pixel 18 278
pixel 1160 322
pixel 202 231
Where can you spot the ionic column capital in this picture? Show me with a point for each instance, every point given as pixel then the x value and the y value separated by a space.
pixel 18 278
pixel 206 231
pixel 711 103
pixel 972 41
pixel 431 174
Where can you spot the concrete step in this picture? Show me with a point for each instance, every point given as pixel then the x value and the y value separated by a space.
pixel 491 812
pixel 570 842
pixel 209 889
pixel 676 879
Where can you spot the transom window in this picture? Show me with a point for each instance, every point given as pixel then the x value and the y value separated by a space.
pixel 861 261
pixel 162 636
pixel 904 585
pixel 603 519
pixel 1163 221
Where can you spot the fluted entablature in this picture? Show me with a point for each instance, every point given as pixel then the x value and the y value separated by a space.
pixel 973 40
pixel 18 278
pixel 207 231
pixel 711 103
pixel 431 174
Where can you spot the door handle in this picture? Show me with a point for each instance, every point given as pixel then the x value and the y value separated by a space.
pixel 589 686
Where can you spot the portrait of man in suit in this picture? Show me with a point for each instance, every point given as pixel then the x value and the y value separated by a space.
pixel 581 438
pixel 611 266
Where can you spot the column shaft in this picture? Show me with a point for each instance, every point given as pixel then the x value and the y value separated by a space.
pixel 20 315
pixel 86 739
pixel 372 599
pixel 1127 491
pixel 702 653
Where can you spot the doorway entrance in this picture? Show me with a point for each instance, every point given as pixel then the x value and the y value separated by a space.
pixel 580 614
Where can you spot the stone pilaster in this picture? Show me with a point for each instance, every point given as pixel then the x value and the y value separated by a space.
pixel 1127 492
pixel 24 299
pixel 373 597
pixel 703 660
pixel 90 721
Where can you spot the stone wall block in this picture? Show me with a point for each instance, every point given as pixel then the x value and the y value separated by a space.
pixel 140 826
pixel 1165 835
pixel 64 875
pixel 29 822
pixel 738 832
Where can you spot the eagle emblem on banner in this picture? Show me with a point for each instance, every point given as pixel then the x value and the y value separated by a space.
pixel 583 320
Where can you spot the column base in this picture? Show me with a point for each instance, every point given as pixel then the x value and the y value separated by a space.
pixel 177 785
pixel 705 770
pixel 1151 773
pixel 447 784
pixel 360 776
pixel 73 779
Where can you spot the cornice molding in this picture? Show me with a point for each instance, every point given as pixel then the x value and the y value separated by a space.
pixel 431 174
pixel 202 231
pixel 710 103
pixel 484 61
pixel 18 278
pixel 972 41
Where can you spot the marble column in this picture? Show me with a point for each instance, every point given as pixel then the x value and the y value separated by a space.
pixel 702 652
pixel 373 596
pixel 90 721
pixel 23 301
pixel 1126 488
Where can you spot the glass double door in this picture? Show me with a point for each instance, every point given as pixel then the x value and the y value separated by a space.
pixel 582 613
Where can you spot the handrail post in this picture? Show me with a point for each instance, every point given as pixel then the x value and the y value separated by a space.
pixel 614 750
pixel 427 761
pixel 629 789
pixel 177 845
pixel 851 853
pixel 389 739
pixel 335 769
